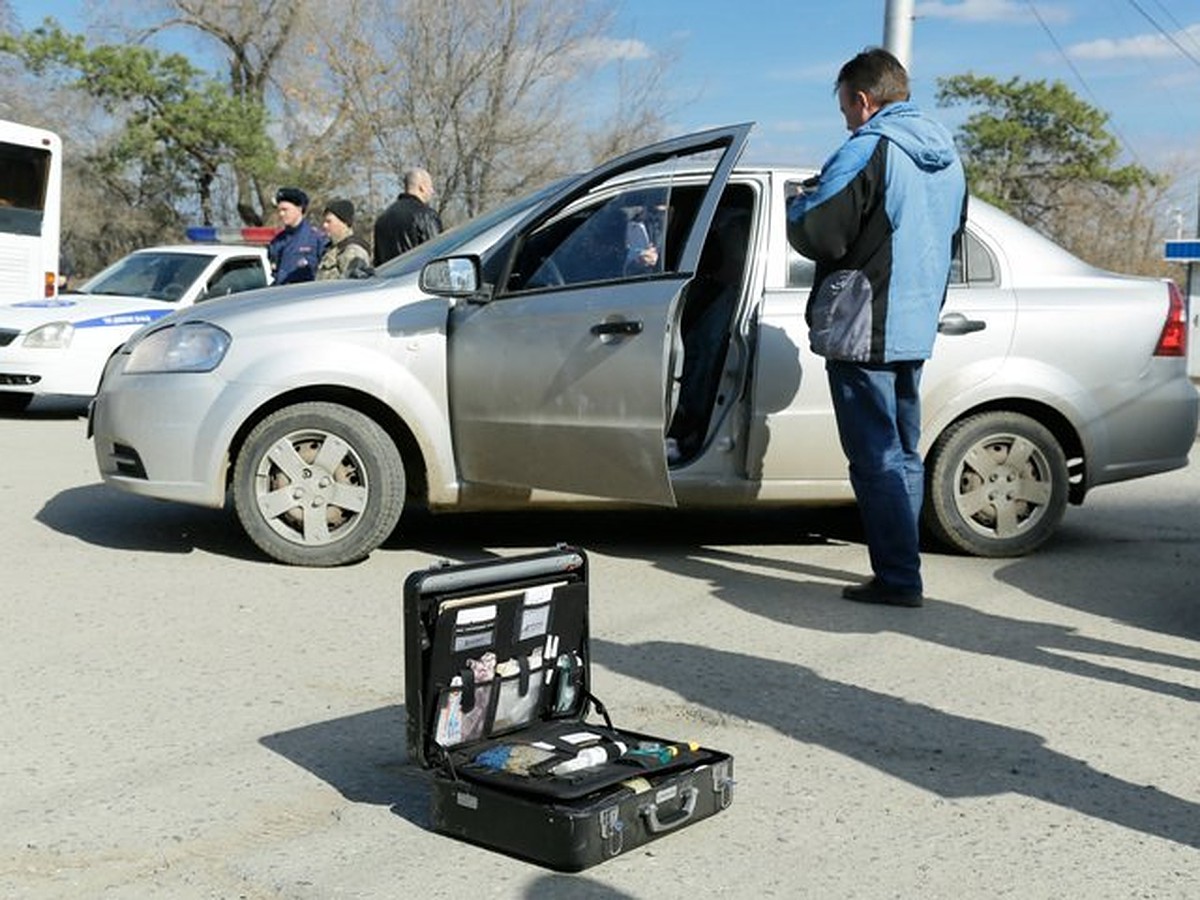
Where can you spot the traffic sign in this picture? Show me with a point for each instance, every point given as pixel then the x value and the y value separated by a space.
pixel 1182 251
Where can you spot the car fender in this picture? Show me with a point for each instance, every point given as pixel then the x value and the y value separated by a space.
pixel 1019 381
pixel 411 382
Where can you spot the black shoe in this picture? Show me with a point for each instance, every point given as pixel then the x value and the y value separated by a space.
pixel 874 592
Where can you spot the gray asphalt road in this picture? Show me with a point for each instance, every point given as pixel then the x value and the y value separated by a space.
pixel 182 719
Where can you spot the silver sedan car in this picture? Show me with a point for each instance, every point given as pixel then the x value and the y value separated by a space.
pixel 636 335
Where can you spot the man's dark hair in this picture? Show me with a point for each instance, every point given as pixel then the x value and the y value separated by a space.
pixel 877 74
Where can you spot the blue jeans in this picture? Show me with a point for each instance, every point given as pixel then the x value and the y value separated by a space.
pixel 878 410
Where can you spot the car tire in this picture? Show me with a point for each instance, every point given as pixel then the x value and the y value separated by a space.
pixel 308 502
pixel 11 404
pixel 996 485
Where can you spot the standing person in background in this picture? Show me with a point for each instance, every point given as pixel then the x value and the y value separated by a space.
pixel 296 251
pixel 882 222
pixel 348 255
pixel 409 221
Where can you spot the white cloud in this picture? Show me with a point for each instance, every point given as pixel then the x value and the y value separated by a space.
pixel 1141 46
pixel 602 50
pixel 990 11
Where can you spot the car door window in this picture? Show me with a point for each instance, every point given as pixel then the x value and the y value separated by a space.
pixel 973 264
pixel 800 268
pixel 237 275
pixel 618 232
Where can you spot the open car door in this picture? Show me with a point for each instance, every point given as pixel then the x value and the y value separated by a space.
pixel 564 376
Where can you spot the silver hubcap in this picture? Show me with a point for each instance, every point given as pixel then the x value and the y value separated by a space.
pixel 311 487
pixel 1003 486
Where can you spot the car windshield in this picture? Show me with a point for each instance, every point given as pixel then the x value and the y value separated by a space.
pixel 159 276
pixel 449 242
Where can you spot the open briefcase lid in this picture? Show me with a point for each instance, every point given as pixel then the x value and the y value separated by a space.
pixel 481 642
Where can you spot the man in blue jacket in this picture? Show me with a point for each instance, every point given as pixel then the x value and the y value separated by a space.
pixel 296 251
pixel 882 222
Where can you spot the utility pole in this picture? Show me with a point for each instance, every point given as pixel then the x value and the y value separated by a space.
pixel 897 30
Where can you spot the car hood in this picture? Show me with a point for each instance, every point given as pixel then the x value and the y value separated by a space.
pixel 329 304
pixel 83 310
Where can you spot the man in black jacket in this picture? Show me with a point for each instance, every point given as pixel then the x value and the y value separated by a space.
pixel 409 220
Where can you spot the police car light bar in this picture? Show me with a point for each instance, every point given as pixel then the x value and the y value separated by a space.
pixel 211 234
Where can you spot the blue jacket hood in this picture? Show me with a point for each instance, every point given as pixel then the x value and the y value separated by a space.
pixel 927 143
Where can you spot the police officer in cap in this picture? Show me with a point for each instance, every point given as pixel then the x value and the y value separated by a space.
pixel 296 251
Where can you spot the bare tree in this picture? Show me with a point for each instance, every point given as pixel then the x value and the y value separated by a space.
pixel 642 100
pixel 1120 231
pixel 492 98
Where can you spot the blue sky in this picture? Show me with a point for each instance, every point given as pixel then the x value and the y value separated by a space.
pixel 773 62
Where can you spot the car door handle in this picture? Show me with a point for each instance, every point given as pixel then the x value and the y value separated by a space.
pixel 622 327
pixel 957 323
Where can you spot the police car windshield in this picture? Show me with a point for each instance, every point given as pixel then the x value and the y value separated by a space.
pixel 488 226
pixel 158 276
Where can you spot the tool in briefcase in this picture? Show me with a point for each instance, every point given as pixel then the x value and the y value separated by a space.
pixel 498 694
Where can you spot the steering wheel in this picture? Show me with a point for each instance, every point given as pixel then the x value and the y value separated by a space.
pixel 173 291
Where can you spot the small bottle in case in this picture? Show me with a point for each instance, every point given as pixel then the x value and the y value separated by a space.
pixel 589 757
pixel 567 675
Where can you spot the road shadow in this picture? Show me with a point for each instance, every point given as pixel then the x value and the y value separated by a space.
pixel 948 755
pixel 1141 568
pixel 363 757
pixel 639 534
pixel 1131 574
pixel 577 887
pixel 798 595
pixel 954 757
pixel 105 517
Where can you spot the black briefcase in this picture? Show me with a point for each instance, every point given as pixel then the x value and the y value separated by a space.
pixel 500 709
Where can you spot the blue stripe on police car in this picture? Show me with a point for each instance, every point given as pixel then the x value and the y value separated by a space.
pixel 140 317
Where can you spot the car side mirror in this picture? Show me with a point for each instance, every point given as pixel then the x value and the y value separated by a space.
pixel 452 276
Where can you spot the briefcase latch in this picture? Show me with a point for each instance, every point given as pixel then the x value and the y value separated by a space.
pixel 722 784
pixel 612 830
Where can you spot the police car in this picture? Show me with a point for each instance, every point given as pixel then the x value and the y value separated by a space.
pixel 53 350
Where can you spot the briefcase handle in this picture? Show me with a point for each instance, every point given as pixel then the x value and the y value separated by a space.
pixel 657 825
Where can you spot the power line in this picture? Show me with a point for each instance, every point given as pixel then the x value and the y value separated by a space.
pixel 1179 29
pixel 1166 34
pixel 1083 81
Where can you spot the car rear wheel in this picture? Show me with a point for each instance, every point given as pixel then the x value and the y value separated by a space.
pixel 318 484
pixel 997 485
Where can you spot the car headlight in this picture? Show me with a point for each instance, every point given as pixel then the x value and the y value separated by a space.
pixel 51 336
pixel 190 347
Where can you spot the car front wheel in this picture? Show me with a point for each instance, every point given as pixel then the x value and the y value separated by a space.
pixel 997 485
pixel 318 484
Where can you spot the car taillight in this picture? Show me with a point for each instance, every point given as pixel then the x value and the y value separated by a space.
pixel 1173 340
pixel 50 284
